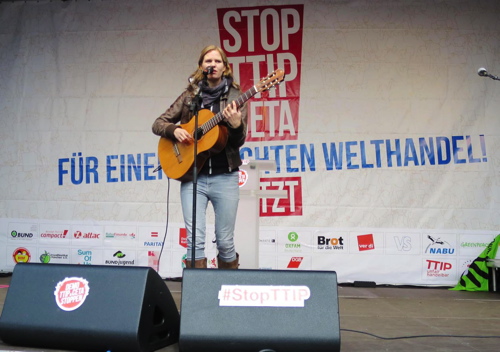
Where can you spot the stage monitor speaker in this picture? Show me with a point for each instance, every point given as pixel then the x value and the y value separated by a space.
pixel 88 308
pixel 259 310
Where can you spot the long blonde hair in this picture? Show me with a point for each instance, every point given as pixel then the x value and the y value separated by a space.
pixel 197 75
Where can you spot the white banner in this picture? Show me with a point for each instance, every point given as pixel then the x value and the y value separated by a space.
pixel 384 135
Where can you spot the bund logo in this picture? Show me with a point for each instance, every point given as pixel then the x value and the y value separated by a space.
pixel 16 234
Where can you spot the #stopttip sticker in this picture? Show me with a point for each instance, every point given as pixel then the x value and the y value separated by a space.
pixel 71 293
pixel 263 296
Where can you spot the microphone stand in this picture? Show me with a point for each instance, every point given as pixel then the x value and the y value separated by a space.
pixel 493 77
pixel 195 108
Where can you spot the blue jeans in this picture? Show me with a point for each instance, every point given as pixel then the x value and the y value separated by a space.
pixel 224 193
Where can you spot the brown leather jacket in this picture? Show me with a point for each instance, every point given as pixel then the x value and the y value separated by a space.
pixel 179 112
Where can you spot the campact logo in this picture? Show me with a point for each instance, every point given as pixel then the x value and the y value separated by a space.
pixel 54 234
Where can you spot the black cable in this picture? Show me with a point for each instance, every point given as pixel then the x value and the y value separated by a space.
pixel 418 336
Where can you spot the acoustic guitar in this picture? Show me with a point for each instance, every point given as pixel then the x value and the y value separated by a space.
pixel 177 159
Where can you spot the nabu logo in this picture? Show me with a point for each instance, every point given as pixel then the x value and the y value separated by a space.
pixel 439 246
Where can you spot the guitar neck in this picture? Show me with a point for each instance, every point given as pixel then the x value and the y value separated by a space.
pixel 217 118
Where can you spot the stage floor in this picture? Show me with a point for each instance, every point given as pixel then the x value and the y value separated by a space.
pixel 397 313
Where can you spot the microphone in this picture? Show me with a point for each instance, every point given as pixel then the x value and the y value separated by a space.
pixel 483 73
pixel 209 70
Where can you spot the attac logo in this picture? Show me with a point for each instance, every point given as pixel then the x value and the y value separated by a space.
pixel 366 243
pixel 21 255
pixel 295 262
pixel 88 235
pixel 71 293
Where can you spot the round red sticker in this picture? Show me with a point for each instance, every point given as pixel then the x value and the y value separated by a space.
pixel 243 178
pixel 71 293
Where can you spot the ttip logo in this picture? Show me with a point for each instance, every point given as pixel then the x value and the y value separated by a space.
pixel 295 262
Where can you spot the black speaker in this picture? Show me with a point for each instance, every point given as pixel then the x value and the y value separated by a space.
pixel 259 310
pixel 88 308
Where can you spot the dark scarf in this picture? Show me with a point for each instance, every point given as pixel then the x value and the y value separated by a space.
pixel 210 95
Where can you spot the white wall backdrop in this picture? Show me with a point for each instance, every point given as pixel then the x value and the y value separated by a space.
pixel 384 135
